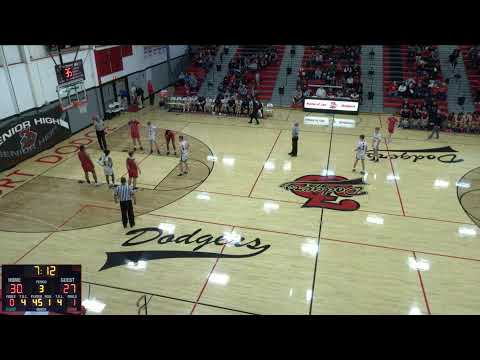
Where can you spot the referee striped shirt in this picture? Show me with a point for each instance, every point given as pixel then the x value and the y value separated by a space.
pixel 124 192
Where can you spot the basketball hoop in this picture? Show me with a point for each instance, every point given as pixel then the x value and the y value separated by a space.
pixel 81 106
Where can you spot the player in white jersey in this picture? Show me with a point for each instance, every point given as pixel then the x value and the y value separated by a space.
pixel 376 139
pixel 361 150
pixel 184 146
pixel 209 105
pixel 152 137
pixel 107 163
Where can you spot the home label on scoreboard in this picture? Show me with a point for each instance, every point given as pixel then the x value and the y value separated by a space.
pixel 41 288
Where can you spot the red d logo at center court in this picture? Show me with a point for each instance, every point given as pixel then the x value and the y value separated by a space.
pixel 324 191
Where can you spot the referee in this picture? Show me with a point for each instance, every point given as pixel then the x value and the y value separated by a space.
pixel 125 194
pixel 294 140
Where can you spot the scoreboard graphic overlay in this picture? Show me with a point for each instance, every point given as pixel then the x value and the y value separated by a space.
pixel 41 288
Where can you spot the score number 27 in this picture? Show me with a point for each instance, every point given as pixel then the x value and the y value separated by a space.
pixel 69 287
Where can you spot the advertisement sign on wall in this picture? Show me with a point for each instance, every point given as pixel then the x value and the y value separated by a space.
pixel 30 134
pixel 330 106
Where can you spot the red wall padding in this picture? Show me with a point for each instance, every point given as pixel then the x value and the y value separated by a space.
pixel 127 50
pixel 110 60
pixel 103 62
pixel 116 59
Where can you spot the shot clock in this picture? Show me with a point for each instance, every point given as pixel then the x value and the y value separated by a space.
pixel 55 288
pixel 69 72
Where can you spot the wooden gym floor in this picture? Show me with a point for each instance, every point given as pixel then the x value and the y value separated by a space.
pixel 229 239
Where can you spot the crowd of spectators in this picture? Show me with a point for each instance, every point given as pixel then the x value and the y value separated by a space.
pixel 244 72
pixel 425 83
pixel 473 55
pixel 421 117
pixel 203 59
pixel 336 66
pixel 463 122
pixel 189 80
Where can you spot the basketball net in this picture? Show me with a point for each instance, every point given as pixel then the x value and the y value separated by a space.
pixel 81 106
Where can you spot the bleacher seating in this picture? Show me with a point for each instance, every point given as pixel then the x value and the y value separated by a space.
pixel 396 67
pixel 268 75
pixel 309 53
pixel 200 74
pixel 472 73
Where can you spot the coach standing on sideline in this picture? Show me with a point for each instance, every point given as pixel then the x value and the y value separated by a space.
pixel 254 113
pixel 125 194
pixel 100 130
pixel 295 131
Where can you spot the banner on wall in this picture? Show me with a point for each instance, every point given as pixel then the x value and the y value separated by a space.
pixel 330 105
pixel 30 134
pixel 159 51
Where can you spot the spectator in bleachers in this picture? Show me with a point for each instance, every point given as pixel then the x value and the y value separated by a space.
pixel 402 90
pixel 298 97
pixel 476 99
pixel 392 89
pixel 306 93
pixel 181 78
pixel 355 96
pixel 321 92
pixel 453 58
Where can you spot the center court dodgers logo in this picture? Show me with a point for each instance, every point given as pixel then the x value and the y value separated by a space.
pixel 323 191
pixel 114 259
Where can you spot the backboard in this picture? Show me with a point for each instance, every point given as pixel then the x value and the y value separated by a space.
pixel 70 78
pixel 71 94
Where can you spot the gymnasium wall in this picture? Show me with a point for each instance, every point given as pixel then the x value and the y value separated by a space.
pixel 32 73
pixel 33 78
pixel 6 102
pixel 148 62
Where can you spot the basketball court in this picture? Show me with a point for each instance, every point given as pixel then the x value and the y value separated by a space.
pixel 247 231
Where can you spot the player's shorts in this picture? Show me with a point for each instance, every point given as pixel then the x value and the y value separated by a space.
pixel 134 133
pixel 88 166
pixel 361 156
pixel 183 157
pixel 152 141
pixel 376 146
pixel 108 171
pixel 170 136
pixel 133 173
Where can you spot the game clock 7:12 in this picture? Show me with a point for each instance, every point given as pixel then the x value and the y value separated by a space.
pixel 55 288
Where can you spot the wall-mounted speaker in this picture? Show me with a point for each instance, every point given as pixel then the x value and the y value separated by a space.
pixel 371 94
pixel 281 90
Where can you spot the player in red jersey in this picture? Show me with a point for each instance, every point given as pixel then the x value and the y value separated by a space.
pixel 170 136
pixel 134 126
pixel 392 121
pixel 133 170
pixel 87 164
